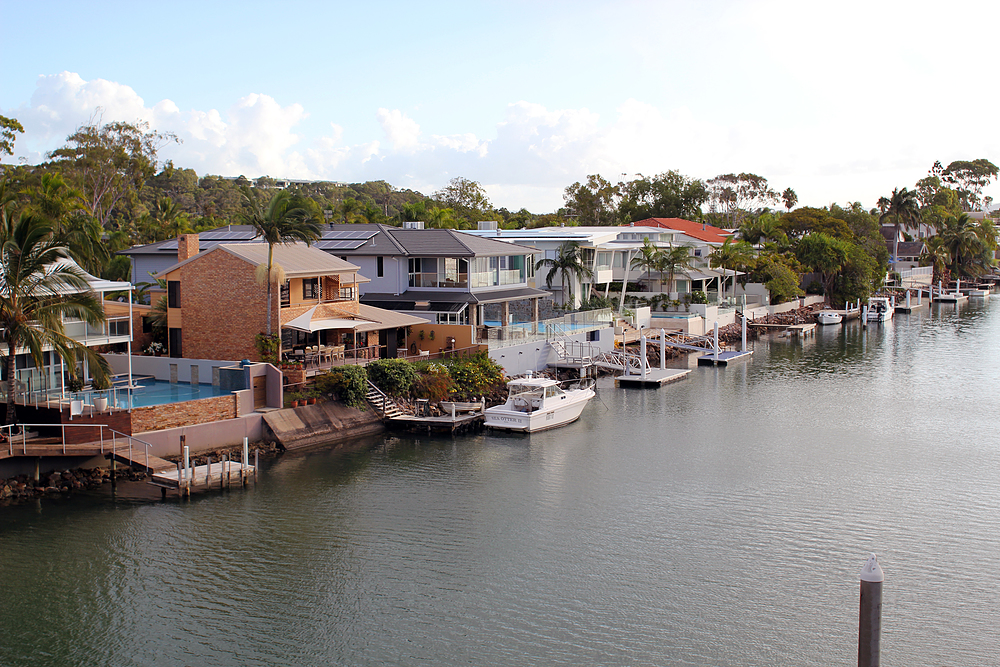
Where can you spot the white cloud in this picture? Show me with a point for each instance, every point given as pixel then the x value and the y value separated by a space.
pixel 859 151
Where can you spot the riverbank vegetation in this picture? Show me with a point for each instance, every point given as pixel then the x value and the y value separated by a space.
pixel 460 378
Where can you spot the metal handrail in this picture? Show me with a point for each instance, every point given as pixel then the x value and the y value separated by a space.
pixel 9 428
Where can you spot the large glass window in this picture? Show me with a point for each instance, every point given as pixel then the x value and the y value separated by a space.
pixel 286 293
pixel 173 294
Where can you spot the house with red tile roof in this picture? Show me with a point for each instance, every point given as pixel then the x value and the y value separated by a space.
pixel 697 233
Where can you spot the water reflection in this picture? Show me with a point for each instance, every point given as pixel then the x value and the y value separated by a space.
pixel 721 520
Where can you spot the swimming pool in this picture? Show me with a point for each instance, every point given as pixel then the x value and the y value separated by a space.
pixel 159 392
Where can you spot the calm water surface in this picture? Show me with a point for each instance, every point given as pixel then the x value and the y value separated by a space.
pixel 719 521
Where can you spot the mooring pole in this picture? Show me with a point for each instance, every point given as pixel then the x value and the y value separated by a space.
pixel 187 470
pixel 716 342
pixel 743 347
pixel 870 621
pixel 907 299
pixel 663 350
pixel 642 354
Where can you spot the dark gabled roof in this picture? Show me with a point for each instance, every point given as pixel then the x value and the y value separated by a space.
pixel 432 243
pixel 359 239
pixel 906 248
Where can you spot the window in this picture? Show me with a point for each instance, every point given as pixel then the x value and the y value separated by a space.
pixel 173 294
pixel 174 342
pixel 286 298
pixel 310 288
pixel 347 292
pixel 380 267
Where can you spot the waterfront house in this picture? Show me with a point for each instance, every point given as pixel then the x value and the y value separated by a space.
pixel 442 275
pixel 113 334
pixel 609 253
pixel 216 307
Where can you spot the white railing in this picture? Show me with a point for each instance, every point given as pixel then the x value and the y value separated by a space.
pixel 556 327
pixel 108 438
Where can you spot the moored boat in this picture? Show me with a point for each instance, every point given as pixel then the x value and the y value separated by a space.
pixel 880 309
pixel 829 317
pixel 536 404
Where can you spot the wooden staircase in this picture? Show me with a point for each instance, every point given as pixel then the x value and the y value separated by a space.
pixel 382 404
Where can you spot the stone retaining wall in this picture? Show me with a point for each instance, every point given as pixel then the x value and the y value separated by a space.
pixel 188 413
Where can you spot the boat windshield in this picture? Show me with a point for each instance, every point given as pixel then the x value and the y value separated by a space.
pixel 525 390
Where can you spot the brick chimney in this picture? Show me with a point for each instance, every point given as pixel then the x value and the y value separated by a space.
pixel 187 246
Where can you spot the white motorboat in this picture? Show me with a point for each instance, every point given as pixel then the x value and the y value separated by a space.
pixel 536 404
pixel 829 317
pixel 880 309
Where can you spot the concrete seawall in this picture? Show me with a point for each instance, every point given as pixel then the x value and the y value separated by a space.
pixel 326 423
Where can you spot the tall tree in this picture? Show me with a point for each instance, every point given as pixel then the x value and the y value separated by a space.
pixel 790 198
pixel 110 163
pixel 735 196
pixel 279 221
pixel 38 289
pixel 568 264
pixel 970 177
pixel 9 129
pixel 667 195
pixel 593 202
pixel 466 198
pixel 904 209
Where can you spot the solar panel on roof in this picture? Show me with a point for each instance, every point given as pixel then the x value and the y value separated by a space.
pixel 341 234
pixel 339 244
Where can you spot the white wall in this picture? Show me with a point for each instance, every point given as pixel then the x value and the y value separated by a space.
pixel 518 359
pixel 159 367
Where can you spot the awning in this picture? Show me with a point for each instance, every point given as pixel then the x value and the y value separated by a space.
pixel 305 322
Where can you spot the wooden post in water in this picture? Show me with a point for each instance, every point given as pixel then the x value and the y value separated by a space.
pixel 208 474
pixel 187 470
pixel 256 463
pixel 870 621
pixel 743 346
pixel 222 477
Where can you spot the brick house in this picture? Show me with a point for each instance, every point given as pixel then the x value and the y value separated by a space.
pixel 216 307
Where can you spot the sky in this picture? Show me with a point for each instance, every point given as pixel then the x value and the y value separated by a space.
pixel 840 101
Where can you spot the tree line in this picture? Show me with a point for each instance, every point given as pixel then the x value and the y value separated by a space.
pixel 104 190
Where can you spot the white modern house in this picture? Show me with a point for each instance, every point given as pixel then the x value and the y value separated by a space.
pixel 609 253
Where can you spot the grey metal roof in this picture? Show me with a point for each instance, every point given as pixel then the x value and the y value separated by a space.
pixel 297 259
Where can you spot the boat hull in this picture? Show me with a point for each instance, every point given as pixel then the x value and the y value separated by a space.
pixel 829 318
pixel 561 414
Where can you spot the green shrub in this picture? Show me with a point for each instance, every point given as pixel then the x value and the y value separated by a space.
pixel 348 383
pixel 435 386
pixel 475 376
pixel 393 376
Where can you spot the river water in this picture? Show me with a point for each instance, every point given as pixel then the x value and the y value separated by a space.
pixel 722 520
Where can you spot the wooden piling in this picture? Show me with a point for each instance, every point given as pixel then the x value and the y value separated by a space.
pixel 870 619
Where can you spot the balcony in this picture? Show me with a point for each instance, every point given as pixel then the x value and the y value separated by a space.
pixel 454 280
pixel 114 330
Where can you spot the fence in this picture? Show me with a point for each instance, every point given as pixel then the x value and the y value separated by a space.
pixel 556 327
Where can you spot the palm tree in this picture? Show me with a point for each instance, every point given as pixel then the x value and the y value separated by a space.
pixel 648 259
pixel 441 218
pixel 963 244
pixel 732 256
pixel 349 209
pixel 904 208
pixel 280 221
pixel 674 260
pixel 937 256
pixel 38 287
pixel 567 264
